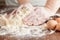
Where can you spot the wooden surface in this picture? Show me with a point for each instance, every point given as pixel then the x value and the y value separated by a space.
pixel 54 36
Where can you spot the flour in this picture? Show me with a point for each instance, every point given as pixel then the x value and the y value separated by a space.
pixel 15 26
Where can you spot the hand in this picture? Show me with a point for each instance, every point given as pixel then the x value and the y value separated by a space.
pixel 37 17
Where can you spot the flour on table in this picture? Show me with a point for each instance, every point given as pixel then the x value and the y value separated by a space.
pixel 13 24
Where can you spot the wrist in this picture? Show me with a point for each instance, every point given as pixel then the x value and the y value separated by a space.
pixel 53 5
pixel 48 13
pixel 48 9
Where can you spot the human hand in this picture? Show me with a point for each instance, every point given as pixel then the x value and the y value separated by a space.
pixel 38 16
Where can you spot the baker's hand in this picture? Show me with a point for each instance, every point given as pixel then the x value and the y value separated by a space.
pixel 38 16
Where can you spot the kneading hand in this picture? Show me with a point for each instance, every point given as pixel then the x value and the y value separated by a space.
pixel 38 16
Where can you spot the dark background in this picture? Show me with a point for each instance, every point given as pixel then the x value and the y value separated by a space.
pixel 2 3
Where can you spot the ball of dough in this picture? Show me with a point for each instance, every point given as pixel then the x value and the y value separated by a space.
pixel 58 27
pixel 51 24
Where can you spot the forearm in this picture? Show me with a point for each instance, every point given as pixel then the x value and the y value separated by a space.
pixel 53 5
pixel 23 1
